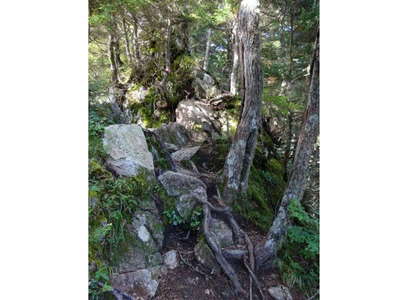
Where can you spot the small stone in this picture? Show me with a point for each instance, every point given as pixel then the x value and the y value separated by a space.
pixel 143 234
pixel 171 259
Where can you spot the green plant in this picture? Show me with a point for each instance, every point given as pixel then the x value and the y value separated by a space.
pixel 299 256
pixel 192 223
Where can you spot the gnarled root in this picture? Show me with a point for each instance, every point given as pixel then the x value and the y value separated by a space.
pixel 222 255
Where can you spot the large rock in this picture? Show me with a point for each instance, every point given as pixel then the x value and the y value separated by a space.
pixel 127 150
pixel 199 118
pixel 205 86
pixel 173 135
pixel 177 184
pixel 187 188
pixel 280 292
pixel 184 153
pixel 222 234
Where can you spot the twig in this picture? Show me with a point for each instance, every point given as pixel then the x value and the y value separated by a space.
pixel 254 277
pixel 192 267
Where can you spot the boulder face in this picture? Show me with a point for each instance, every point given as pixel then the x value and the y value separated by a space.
pixel 199 118
pixel 173 135
pixel 127 150
pixel 177 184
pixel 222 234
pixel 184 153
pixel 187 188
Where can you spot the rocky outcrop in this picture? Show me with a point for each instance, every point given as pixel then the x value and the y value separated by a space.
pixel 280 292
pixel 127 150
pixel 140 262
pixel 198 118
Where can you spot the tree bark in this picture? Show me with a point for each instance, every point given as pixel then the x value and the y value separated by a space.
pixel 266 254
pixel 235 60
pixel 207 54
pixel 118 89
pixel 241 153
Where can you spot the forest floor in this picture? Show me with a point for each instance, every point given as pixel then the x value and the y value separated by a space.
pixel 191 280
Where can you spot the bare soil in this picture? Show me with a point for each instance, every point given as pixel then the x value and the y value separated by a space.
pixel 191 280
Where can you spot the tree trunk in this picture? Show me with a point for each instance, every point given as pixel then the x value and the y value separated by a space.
pixel 266 254
pixel 118 90
pixel 207 54
pixel 241 153
pixel 235 60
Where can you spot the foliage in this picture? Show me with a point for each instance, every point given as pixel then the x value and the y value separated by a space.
pixel 172 217
pixel 299 256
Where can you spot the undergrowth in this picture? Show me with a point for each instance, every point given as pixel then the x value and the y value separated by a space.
pixel 112 203
pixel 299 255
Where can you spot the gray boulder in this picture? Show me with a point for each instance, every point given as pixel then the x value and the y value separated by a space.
pixel 205 86
pixel 184 153
pixel 280 292
pixel 187 188
pixel 198 118
pixel 141 284
pixel 127 150
pixel 173 134
pixel 177 184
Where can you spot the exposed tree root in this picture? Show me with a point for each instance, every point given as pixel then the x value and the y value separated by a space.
pixel 221 255
pixel 225 265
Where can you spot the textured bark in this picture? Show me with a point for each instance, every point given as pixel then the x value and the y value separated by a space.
pixel 207 54
pixel 235 60
pixel 241 153
pixel 266 254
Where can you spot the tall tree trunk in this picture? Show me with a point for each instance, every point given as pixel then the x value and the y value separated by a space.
pixel 266 254
pixel 241 153
pixel 127 42
pixel 118 89
pixel 207 54
pixel 235 60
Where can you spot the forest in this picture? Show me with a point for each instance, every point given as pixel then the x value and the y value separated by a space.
pixel 203 149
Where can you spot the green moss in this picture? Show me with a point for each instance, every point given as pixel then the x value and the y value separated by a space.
pixel 265 190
